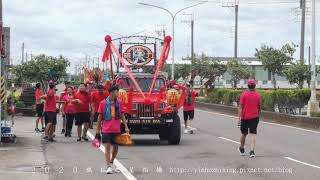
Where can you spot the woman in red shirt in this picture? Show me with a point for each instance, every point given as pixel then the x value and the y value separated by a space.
pixel 68 110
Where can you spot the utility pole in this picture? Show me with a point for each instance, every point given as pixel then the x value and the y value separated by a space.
pixel 92 62
pixel 22 57
pixel 98 62
pixel 309 60
pixel 303 24
pixel 236 32
pixel 86 61
pixel 236 9
pixel 191 21
pixel 313 105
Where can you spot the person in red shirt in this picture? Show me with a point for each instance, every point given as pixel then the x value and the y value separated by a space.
pixel 69 110
pixel 39 107
pixel 188 108
pixel 82 101
pixel 50 112
pixel 110 115
pixel 96 98
pixel 64 93
pixel 249 112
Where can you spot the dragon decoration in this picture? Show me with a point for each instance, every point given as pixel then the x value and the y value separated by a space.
pixel 95 75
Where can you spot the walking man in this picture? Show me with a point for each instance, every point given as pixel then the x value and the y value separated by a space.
pixel 110 115
pixel 249 112
pixel 82 101
pixel 50 111
pixel 39 107
pixel 96 98
pixel 188 108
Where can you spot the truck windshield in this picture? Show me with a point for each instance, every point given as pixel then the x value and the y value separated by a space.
pixel 144 83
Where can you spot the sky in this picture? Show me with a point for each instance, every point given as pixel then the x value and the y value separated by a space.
pixel 75 28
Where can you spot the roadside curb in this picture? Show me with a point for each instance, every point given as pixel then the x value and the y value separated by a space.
pixel 279 118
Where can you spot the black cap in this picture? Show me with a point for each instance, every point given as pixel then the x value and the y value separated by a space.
pixel 100 87
pixel 113 88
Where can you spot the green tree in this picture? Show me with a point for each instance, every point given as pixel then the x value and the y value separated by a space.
pixel 237 71
pixel 183 71
pixel 41 69
pixel 297 74
pixel 275 60
pixel 198 67
pixel 215 70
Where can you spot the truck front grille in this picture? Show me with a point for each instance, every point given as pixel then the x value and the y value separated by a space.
pixel 145 110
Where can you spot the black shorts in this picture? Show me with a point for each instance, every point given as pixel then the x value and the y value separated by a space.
pixel 188 115
pixel 39 109
pixel 82 117
pixel 69 117
pixel 50 117
pixel 249 125
pixel 109 138
pixel 95 118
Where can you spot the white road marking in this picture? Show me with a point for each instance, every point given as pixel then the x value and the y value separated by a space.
pixel 270 123
pixel 289 158
pixel 117 163
pixel 304 163
pixel 229 140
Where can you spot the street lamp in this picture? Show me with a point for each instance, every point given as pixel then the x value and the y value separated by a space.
pixel 173 16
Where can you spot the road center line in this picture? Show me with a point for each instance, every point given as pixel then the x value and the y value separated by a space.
pixel 229 140
pixel 304 163
pixel 270 123
pixel 117 163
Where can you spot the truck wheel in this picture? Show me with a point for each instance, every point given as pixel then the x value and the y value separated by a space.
pixel 175 131
pixel 163 137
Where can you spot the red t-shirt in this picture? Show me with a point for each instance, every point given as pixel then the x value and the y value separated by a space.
pixel 85 99
pixel 63 94
pixel 69 108
pixel 96 98
pixel 38 94
pixel 251 103
pixel 51 101
pixel 112 126
pixel 186 106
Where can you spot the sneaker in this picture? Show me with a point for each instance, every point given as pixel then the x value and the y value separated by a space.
pixel 63 131
pixel 115 168
pixel 186 131
pixel 252 154
pixel 42 130
pixel 53 135
pixel 45 137
pixel 79 139
pixel 109 170
pixel 86 139
pixel 241 151
pixel 51 140
pixel 37 130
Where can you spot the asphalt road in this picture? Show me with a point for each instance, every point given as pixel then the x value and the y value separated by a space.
pixel 211 153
